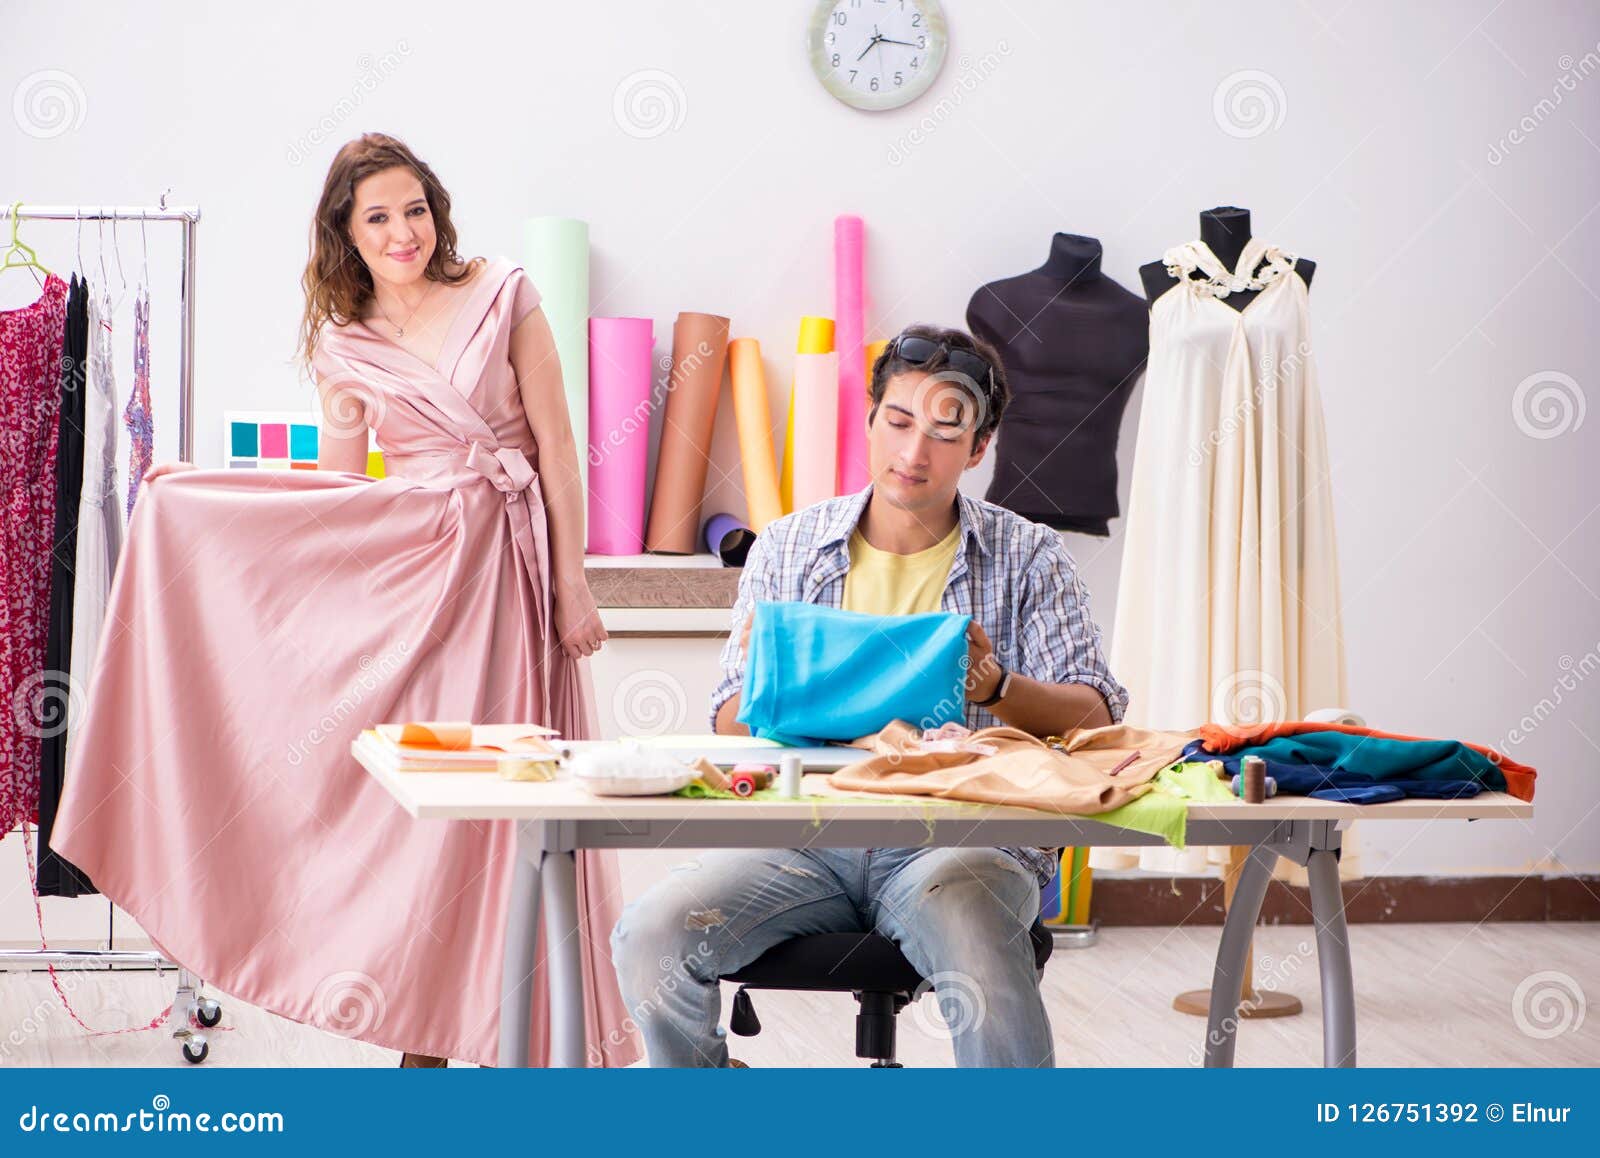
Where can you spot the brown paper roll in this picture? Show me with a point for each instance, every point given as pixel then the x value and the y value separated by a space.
pixel 699 353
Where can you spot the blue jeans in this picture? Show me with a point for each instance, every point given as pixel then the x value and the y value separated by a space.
pixel 960 915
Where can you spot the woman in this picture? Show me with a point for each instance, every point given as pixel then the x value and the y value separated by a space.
pixel 260 619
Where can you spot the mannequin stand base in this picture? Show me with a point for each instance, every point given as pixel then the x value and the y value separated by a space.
pixel 1269 1004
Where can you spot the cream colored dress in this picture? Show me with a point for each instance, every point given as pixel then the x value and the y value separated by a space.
pixel 1228 609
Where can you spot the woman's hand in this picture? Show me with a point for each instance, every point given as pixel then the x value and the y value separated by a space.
pixel 578 627
pixel 160 469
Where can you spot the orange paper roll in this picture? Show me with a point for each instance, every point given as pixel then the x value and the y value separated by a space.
pixel 815 427
pixel 752 411
pixel 699 352
pixel 816 337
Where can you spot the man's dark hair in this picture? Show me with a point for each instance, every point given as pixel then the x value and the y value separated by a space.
pixel 991 393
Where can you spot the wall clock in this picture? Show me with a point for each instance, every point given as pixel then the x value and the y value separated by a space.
pixel 877 54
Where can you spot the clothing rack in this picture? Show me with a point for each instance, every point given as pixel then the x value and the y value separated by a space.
pixel 191 1012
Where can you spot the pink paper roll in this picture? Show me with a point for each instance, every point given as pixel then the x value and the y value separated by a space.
pixel 619 432
pixel 848 306
pixel 816 427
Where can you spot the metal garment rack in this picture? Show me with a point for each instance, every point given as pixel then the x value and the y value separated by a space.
pixel 191 1012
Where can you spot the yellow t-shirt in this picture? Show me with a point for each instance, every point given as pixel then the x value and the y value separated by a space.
pixel 883 583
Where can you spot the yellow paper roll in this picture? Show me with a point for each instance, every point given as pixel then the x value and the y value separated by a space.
pixel 816 337
pixel 752 411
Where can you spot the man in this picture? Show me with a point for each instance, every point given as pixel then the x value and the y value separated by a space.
pixel 910 542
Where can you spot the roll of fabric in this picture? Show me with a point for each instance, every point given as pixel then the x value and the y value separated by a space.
pixel 752 411
pixel 556 258
pixel 873 353
pixel 816 337
pixel 618 356
pixel 816 428
pixel 728 539
pixel 699 352
pixel 849 300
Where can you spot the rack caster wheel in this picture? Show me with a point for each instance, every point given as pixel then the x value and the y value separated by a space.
pixel 207 1012
pixel 195 1050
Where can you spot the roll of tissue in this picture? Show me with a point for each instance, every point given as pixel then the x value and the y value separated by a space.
pixel 1342 716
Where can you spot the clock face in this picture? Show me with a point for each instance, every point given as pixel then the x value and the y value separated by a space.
pixel 877 54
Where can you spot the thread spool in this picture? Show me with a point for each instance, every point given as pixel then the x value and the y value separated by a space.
pixel 1253 783
pixel 789 771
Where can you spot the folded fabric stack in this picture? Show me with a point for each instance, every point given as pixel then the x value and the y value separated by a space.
pixel 1359 765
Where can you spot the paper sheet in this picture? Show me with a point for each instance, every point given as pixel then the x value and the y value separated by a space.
pixel 816 337
pixel 752 411
pixel 848 308
pixel 699 353
pixel 619 422
pixel 556 259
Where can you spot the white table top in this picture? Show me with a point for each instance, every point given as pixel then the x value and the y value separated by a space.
pixel 485 796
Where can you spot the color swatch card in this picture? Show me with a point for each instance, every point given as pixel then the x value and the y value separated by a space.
pixel 279 440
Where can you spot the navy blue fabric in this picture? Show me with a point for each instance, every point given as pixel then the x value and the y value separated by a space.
pixel 1322 782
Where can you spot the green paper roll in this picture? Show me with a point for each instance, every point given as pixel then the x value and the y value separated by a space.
pixel 556 258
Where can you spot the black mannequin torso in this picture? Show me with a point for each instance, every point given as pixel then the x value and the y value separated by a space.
pixel 1226 231
pixel 1073 342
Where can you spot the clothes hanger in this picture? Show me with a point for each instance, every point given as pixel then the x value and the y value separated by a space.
pixel 20 249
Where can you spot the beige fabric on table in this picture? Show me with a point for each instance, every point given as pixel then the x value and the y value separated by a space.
pixel 1024 771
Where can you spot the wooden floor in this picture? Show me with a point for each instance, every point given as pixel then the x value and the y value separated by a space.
pixel 1428 995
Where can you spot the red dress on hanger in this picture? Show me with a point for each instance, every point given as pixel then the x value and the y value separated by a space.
pixel 30 400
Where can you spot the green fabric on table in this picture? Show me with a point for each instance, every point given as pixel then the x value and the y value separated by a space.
pixel 1164 810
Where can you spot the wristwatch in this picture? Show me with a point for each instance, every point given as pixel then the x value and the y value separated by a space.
pixel 1000 688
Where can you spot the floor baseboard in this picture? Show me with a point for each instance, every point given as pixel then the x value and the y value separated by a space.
pixel 1167 900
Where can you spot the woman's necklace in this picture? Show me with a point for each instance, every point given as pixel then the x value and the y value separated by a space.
pixel 400 330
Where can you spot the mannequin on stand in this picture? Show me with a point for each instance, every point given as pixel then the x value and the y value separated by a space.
pixel 1226 231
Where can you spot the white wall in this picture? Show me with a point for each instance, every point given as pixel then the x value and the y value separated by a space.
pixel 1470 550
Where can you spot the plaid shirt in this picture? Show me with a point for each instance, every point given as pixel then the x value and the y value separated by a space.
pixel 1013 576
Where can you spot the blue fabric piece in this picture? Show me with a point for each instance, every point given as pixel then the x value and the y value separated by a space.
pixel 1371 794
pixel 1286 763
pixel 819 673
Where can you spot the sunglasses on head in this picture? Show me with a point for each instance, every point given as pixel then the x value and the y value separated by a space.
pixel 920 351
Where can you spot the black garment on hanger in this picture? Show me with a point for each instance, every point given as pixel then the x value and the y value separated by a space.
pixel 55 876
pixel 1073 342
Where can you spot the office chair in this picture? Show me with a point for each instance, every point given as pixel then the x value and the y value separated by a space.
pixel 868 965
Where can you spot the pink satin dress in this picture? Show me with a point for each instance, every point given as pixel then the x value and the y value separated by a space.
pixel 258 621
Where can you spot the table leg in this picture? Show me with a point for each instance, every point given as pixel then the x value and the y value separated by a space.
pixel 1233 955
pixel 563 954
pixel 522 936
pixel 1333 960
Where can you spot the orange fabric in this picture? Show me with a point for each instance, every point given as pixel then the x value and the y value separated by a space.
pixel 1221 738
